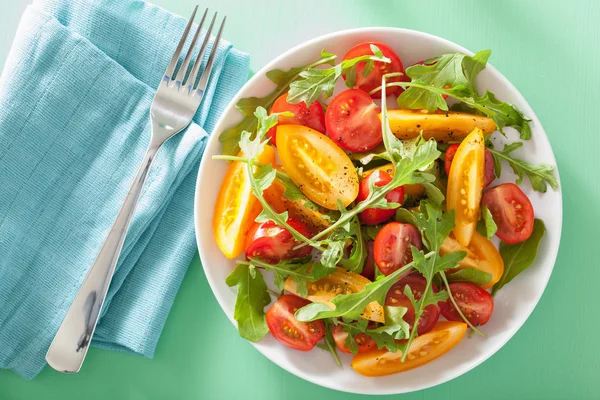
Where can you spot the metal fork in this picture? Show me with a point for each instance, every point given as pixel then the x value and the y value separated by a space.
pixel 175 103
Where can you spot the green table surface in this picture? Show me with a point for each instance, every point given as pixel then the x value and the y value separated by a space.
pixel 550 51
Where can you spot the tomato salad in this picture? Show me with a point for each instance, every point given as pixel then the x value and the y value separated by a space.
pixel 376 223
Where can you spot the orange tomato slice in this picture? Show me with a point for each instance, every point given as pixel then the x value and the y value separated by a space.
pixel 443 126
pixel 339 282
pixel 319 167
pixel 465 185
pixel 425 348
pixel 236 207
pixel 481 254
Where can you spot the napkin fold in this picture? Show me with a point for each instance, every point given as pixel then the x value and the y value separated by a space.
pixel 75 95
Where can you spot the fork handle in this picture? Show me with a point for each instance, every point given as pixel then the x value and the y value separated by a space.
pixel 70 345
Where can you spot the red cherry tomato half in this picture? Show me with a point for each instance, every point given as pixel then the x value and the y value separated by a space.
pixel 488 176
pixel 392 246
pixel 288 330
pixel 475 303
pixel 373 80
pixel 512 212
pixel 369 268
pixel 313 116
pixel 362 340
pixel 352 121
pixel 272 243
pixel 396 297
pixel 374 216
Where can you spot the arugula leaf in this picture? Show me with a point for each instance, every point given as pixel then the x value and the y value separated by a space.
pixel 503 114
pixel 329 343
pixel 230 138
pixel 539 175
pixel 446 71
pixel 433 224
pixel 298 269
pixel 473 275
pixel 472 66
pixel 356 261
pixel 252 297
pixel 315 81
pixel 489 224
pixel 518 257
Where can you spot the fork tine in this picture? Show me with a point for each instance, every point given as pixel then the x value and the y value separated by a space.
pixel 203 82
pixel 186 62
pixel 175 58
pixel 192 77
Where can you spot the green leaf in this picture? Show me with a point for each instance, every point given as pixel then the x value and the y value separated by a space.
pixel 503 114
pixel 473 275
pixel 315 81
pixel 230 138
pixel 329 343
pixel 447 71
pixel 472 66
pixel 488 219
pixel 252 297
pixel 518 257
pixel 297 269
pixel 539 175
pixel 356 261
pixel 433 224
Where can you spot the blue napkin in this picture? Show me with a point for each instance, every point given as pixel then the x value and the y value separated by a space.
pixel 75 95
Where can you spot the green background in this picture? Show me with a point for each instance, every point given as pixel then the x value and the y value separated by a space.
pixel 550 51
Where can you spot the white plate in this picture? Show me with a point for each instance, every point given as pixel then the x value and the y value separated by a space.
pixel 513 303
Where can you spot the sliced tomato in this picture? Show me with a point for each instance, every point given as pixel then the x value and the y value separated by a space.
pixel 313 116
pixel 374 216
pixel 352 121
pixel 488 174
pixel 373 80
pixel 475 303
pixel 369 267
pixel 465 185
pixel 512 212
pixel 425 348
pixel 288 330
pixel 272 243
pixel 236 207
pixel 481 254
pixel 339 282
pixel 396 297
pixel 392 246
pixel 320 169
pixel 362 340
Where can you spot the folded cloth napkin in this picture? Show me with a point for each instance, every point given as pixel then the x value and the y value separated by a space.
pixel 75 95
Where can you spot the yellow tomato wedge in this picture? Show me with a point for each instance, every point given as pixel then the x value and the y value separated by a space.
pixel 319 167
pixel 409 190
pixel 236 207
pixel 340 282
pixel 465 185
pixel 481 254
pixel 315 219
pixel 425 348
pixel 443 126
